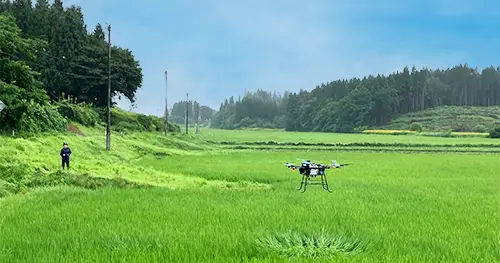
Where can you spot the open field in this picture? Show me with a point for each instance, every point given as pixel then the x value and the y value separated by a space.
pixel 318 137
pixel 208 203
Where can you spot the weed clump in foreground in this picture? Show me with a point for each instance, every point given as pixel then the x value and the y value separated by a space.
pixel 81 180
pixel 19 182
pixel 321 245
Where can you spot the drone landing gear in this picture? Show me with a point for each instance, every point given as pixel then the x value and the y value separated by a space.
pixel 306 179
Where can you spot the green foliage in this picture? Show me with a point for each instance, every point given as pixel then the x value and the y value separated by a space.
pixel 80 180
pixel 128 121
pixel 72 61
pixel 41 118
pixel 495 132
pixel 195 110
pixel 13 178
pixel 322 245
pixel 479 128
pixel 256 109
pixel 81 113
pixel 27 108
pixel 416 127
pixel 449 118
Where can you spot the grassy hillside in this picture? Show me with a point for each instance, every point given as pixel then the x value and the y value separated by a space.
pixel 452 118
pixel 35 161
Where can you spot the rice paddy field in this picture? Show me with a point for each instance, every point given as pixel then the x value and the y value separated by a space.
pixel 227 196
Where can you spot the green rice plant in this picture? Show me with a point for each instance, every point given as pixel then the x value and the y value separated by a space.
pixel 320 245
pixel 184 198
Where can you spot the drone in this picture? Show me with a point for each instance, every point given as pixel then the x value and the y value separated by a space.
pixel 310 170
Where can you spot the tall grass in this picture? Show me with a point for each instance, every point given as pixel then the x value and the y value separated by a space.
pixel 23 158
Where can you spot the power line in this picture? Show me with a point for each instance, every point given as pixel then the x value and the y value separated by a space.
pixel 64 59
pixel 56 70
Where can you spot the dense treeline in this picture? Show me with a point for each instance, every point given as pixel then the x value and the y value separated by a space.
pixel 47 56
pixel 255 109
pixel 351 105
pixel 195 111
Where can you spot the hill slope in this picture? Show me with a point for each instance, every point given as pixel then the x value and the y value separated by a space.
pixel 34 161
pixel 450 118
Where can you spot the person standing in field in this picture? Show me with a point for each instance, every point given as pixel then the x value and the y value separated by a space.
pixel 65 153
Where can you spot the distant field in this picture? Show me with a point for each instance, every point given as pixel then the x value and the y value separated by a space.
pixel 313 137
pixel 454 118
pixel 206 201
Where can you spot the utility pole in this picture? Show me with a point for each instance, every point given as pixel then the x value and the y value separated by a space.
pixel 197 118
pixel 108 124
pixel 166 107
pixel 187 111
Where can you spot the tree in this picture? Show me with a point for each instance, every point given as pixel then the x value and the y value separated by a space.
pixel 75 63
pixel 28 106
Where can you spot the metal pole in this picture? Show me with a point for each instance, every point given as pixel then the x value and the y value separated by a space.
pixel 108 123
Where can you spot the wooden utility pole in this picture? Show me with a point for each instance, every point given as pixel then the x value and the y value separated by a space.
pixel 108 123
pixel 197 118
pixel 187 111
pixel 166 107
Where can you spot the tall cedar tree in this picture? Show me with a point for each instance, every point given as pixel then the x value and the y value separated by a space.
pixel 74 63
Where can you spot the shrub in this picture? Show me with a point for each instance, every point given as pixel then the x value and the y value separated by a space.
pixel 13 178
pixel 146 122
pixel 41 118
pixel 461 128
pixel 81 113
pixel 495 132
pixel 159 124
pixel 128 126
pixel 416 127
pixel 479 128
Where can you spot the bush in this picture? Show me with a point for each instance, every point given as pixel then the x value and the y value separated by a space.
pixel 13 178
pixel 495 133
pixel 160 123
pixel 479 128
pixel 146 122
pixel 81 113
pixel 462 127
pixel 128 126
pixel 41 118
pixel 416 127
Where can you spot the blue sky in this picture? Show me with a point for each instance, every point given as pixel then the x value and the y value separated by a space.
pixel 215 49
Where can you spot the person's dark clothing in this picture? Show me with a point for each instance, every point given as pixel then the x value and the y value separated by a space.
pixel 65 153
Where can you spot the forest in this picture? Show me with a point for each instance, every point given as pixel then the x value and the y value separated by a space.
pixel 47 55
pixel 352 105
